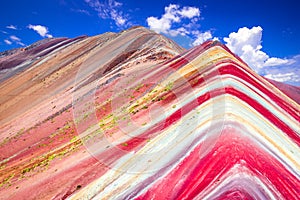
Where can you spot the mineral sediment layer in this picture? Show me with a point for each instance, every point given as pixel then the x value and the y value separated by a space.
pixel 132 115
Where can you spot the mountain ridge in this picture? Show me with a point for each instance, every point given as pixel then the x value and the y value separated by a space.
pixel 137 116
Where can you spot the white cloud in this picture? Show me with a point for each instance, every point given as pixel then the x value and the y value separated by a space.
pixel 41 30
pixel 202 37
pixel 284 77
pixel 119 19
pixel 8 42
pixel 244 37
pixel 173 15
pixel 246 43
pixel 110 9
pixel 162 25
pixel 11 27
pixel 278 61
pixel 15 38
pixel 21 43
pixel 180 31
pixel 49 36
pixel 286 72
pixel 180 21
pixel 190 12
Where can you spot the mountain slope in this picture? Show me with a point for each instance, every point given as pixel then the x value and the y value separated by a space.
pixel 106 118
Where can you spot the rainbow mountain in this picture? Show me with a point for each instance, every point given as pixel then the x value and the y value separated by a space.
pixel 132 115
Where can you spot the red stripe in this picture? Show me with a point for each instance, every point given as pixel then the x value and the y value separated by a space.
pixel 192 176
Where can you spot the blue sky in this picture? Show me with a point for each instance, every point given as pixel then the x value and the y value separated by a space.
pixel 264 33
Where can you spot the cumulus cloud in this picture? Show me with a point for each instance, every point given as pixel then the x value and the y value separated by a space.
pixel 180 21
pixel 8 42
pixel 202 37
pixel 11 27
pixel 246 43
pixel 41 30
pixel 173 15
pixel 189 12
pixel 159 25
pixel 110 9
